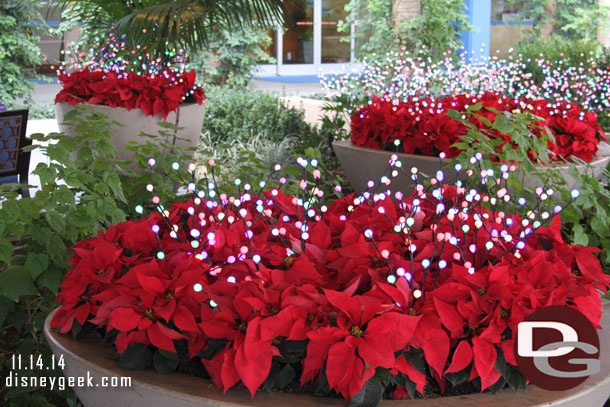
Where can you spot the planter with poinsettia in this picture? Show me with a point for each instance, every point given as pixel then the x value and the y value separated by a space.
pixel 359 298
pixel 148 388
pixel 138 103
pixel 424 128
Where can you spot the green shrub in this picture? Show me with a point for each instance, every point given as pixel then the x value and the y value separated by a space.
pixel 233 114
pixel 585 221
pixel 78 197
pixel 232 57
pixel 19 37
pixel 556 49
pixel 37 111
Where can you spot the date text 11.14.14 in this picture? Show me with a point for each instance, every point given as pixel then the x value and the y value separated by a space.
pixel 32 362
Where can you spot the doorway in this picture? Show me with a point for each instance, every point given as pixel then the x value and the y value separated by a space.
pixel 310 42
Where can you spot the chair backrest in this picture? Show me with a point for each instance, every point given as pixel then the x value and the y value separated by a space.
pixel 13 160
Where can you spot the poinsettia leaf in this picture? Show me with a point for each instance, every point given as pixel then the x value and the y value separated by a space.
pixel 497 386
pixel 271 379
pixel 383 376
pixel 136 357
pixel 165 362
pixel 458 378
pixel 514 378
pixel 369 396
pixel 285 376
pixel 500 364
pixel 415 359
pixel 215 345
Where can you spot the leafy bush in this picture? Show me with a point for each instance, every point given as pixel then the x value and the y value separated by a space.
pixel 247 133
pixel 78 198
pixel 37 110
pixel 585 221
pixel 572 53
pixel 232 57
pixel 233 114
pixel 18 47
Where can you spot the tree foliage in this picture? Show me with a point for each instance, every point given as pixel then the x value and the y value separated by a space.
pixel 21 26
pixel 433 32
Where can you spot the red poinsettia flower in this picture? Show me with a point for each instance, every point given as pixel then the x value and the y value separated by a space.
pixel 154 95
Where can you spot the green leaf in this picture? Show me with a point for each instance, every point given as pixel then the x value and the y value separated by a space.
pixel 79 218
pixel 15 281
pixel 36 263
pixel 10 211
pixel 215 345
pixel 136 357
pixel 43 234
pixel 514 378
pixel 113 181
pixel 383 376
pixel 6 251
pixel 6 307
pixel 599 227
pixel 50 279
pixel 369 396
pixel 101 188
pixel 56 221
pixel 165 362
pixel 56 248
pixel 457 378
pixel 285 376
pixel 580 237
pixel 63 194
pixel 46 173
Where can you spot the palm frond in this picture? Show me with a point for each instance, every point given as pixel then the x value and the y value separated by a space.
pixel 189 22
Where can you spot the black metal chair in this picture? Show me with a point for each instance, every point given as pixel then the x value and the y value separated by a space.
pixel 14 162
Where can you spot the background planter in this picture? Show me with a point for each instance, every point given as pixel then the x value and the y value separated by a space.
pixel 190 116
pixel 179 390
pixel 362 164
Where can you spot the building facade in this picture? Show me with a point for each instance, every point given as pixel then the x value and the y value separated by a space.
pixel 311 44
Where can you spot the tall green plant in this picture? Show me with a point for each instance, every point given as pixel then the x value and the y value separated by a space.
pixel 232 56
pixel 21 25
pixel 433 32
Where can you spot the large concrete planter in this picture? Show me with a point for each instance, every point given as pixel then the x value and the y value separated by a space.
pixel 362 164
pixel 150 389
pixel 135 122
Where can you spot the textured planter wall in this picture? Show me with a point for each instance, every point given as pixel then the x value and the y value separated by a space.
pixel 362 164
pixel 134 121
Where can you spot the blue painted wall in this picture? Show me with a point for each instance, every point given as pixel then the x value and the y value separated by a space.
pixel 479 15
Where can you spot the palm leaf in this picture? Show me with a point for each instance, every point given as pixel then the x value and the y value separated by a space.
pixel 162 25
pixel 189 22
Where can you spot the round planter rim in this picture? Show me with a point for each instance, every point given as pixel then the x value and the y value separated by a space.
pixel 350 145
pixel 240 397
